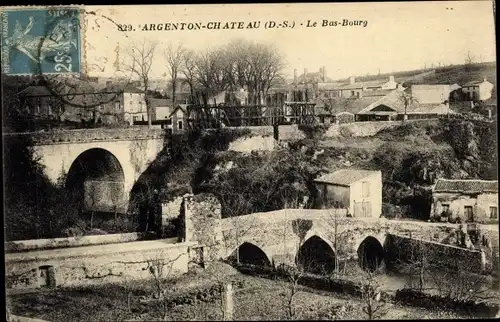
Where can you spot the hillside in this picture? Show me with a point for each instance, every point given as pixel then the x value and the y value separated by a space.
pixel 459 74
pixel 462 74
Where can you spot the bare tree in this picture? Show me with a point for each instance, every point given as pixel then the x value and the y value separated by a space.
pixel 373 307
pixel 139 59
pixel 175 57
pixel 469 59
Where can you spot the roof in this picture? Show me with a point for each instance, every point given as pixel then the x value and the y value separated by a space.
pixel 160 102
pixel 178 107
pixel 356 105
pixel 375 83
pixel 429 108
pixel 466 186
pixel 345 177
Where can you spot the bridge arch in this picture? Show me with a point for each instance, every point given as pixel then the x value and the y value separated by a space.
pixel 370 253
pixel 96 177
pixel 250 253
pixel 316 256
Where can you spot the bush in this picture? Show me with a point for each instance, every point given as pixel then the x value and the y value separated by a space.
pixel 390 211
pixel 346 132
pixel 314 132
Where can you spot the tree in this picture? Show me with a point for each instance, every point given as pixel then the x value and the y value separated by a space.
pixel 469 59
pixel 407 100
pixel 139 59
pixel 373 307
pixel 175 57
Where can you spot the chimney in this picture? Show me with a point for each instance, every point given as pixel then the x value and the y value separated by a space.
pixel 484 79
pixel 295 76
pixel 352 80
pixel 323 73
pixel 391 79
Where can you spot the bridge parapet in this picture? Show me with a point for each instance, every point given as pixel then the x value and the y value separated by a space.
pixel 89 135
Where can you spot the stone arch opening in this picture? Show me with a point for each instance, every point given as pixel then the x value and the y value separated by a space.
pixel 370 254
pixel 97 180
pixel 248 253
pixel 316 256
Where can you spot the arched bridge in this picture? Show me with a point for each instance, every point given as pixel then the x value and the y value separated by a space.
pixel 321 240
pixel 317 240
pixel 104 162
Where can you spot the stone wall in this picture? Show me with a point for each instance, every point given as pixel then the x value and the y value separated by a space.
pixel 292 132
pixel 446 255
pixel 201 216
pixel 94 264
pixel 38 244
pixel 254 143
pixel 88 135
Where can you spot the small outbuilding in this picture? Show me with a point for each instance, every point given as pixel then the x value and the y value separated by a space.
pixel 358 191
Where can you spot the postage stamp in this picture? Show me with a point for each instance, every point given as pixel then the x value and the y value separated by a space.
pixel 41 41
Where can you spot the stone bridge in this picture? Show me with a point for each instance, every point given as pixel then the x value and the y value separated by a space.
pixel 310 237
pixel 83 157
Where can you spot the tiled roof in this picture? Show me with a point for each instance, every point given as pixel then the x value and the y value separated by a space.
pixel 345 177
pixel 356 105
pixel 465 186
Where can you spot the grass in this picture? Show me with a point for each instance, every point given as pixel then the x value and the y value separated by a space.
pixel 254 299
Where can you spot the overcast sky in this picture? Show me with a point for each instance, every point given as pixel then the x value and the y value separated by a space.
pixel 398 36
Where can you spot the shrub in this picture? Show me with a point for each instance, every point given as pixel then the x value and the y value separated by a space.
pixel 346 132
pixel 315 131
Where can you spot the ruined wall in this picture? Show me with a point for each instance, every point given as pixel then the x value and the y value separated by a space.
pixel 94 264
pixel 201 215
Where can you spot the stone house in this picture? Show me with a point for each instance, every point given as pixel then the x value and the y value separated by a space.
pixel 358 191
pixel 178 118
pixel 469 200
pixel 477 90
pixel 82 102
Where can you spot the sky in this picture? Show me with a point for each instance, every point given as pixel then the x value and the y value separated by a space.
pixel 397 36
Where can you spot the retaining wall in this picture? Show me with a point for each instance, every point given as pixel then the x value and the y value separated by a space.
pixel 38 244
pixel 94 264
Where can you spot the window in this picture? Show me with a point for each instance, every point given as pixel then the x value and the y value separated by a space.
pixel 49 110
pixel 493 213
pixel 366 189
pixel 469 214
pixel 322 119
pixel 446 208
pixel 352 93
pixel 136 118
pixel 179 125
pixel 117 105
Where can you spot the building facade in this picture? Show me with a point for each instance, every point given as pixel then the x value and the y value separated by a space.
pixel 477 90
pixel 469 200
pixel 358 191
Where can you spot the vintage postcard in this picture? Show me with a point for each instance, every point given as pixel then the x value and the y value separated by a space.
pixel 292 161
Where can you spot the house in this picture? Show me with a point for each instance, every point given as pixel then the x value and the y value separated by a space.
pixel 355 89
pixel 469 200
pixel 477 90
pixel 178 118
pixel 79 102
pixel 391 107
pixel 359 191
pixel 431 94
